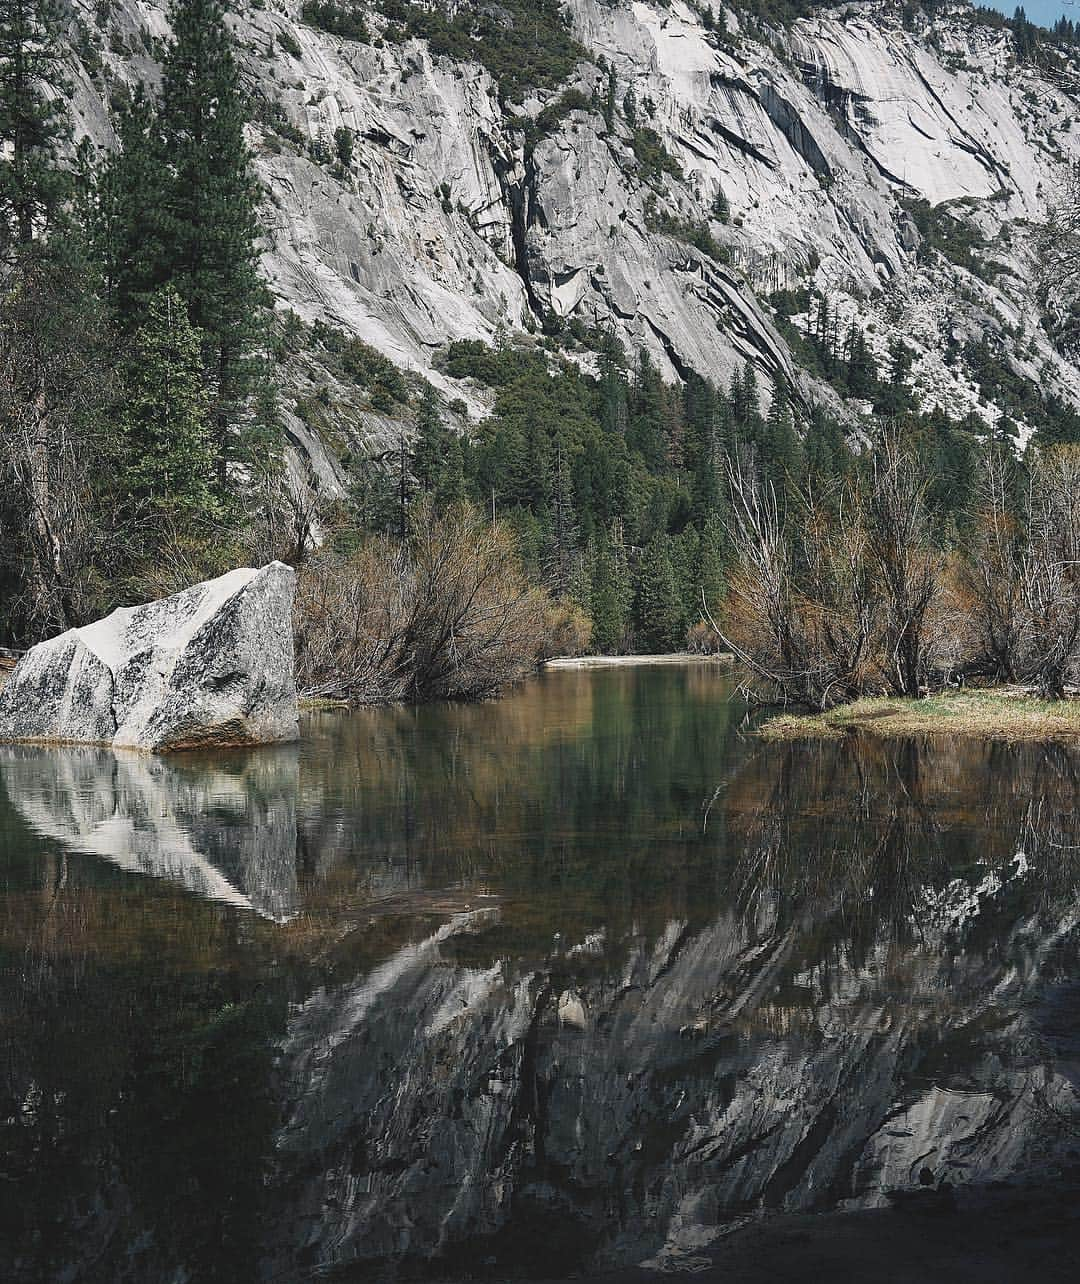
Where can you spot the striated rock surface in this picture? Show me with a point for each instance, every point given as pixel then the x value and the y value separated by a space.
pixel 210 666
pixel 461 213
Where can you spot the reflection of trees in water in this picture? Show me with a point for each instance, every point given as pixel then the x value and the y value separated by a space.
pixel 582 790
pixel 852 1002
pixel 855 834
pixel 771 981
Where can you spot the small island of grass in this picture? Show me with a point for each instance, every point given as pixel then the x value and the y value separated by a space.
pixel 998 714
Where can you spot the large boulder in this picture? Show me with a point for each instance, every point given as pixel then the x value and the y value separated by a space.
pixel 210 666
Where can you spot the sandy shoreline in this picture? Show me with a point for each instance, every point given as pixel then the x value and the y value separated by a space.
pixel 630 661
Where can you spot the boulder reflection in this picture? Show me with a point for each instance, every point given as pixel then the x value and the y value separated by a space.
pixel 224 827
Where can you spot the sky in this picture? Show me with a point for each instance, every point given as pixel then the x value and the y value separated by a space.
pixel 1044 12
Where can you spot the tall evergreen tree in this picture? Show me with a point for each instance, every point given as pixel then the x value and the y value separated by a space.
pixel 429 455
pixel 610 599
pixel 563 522
pixel 32 121
pixel 781 456
pixel 712 549
pixel 645 429
pixel 165 425
pixel 132 192
pixel 451 488
pixel 208 219
pixel 659 619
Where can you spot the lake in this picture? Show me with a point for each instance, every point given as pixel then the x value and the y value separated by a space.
pixel 566 983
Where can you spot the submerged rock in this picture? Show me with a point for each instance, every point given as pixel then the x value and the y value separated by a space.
pixel 210 666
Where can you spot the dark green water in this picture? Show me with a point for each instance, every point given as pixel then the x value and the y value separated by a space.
pixel 567 982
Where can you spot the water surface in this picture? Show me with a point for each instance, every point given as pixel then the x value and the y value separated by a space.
pixel 568 982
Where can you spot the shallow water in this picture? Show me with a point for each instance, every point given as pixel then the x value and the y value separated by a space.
pixel 568 982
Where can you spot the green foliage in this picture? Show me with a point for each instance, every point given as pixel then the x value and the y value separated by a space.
pixel 695 234
pixel 659 614
pixel 436 454
pixel 610 596
pixel 344 139
pixel 948 235
pixel 33 121
pixel 289 43
pixel 780 447
pixel 553 115
pixel 179 207
pixel 1055 422
pixel 209 220
pixel 345 20
pixel 526 45
pixel 652 157
pixel 368 368
pixel 591 472
pixel 168 448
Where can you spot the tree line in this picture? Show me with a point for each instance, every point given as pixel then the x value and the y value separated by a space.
pixel 596 505
pixel 859 591
pixel 136 419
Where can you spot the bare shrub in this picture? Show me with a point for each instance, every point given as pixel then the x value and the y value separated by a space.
pixel 802 621
pixel 702 639
pixel 567 630
pixel 846 600
pixel 905 564
pixel 985 592
pixel 446 615
pixel 1050 574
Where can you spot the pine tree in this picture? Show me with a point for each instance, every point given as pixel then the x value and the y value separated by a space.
pixel 781 456
pixel 609 100
pixel 208 217
pixel 610 598
pixel 614 413
pixel 629 106
pixel 32 122
pixel 131 195
pixel 658 611
pixel 563 520
pixel 451 487
pixel 861 367
pixel 165 427
pixel 712 556
pixel 645 429
pixel 534 489
pixel 429 454
pixel 752 410
pixel 901 359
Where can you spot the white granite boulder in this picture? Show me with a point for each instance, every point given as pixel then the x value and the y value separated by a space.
pixel 210 666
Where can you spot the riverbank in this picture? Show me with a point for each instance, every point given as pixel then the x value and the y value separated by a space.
pixel 628 661
pixel 1000 714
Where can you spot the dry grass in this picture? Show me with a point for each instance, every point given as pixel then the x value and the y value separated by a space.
pixel 1004 713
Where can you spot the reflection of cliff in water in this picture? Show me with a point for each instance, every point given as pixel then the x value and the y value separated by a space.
pixel 878 1000
pixel 224 828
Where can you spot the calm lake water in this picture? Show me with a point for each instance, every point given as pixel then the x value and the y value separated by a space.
pixel 567 982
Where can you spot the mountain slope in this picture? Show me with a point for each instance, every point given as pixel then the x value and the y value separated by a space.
pixel 891 170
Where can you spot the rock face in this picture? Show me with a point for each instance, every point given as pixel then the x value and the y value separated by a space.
pixel 210 666
pixel 454 221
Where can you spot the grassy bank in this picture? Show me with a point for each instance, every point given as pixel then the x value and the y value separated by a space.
pixel 1000 714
